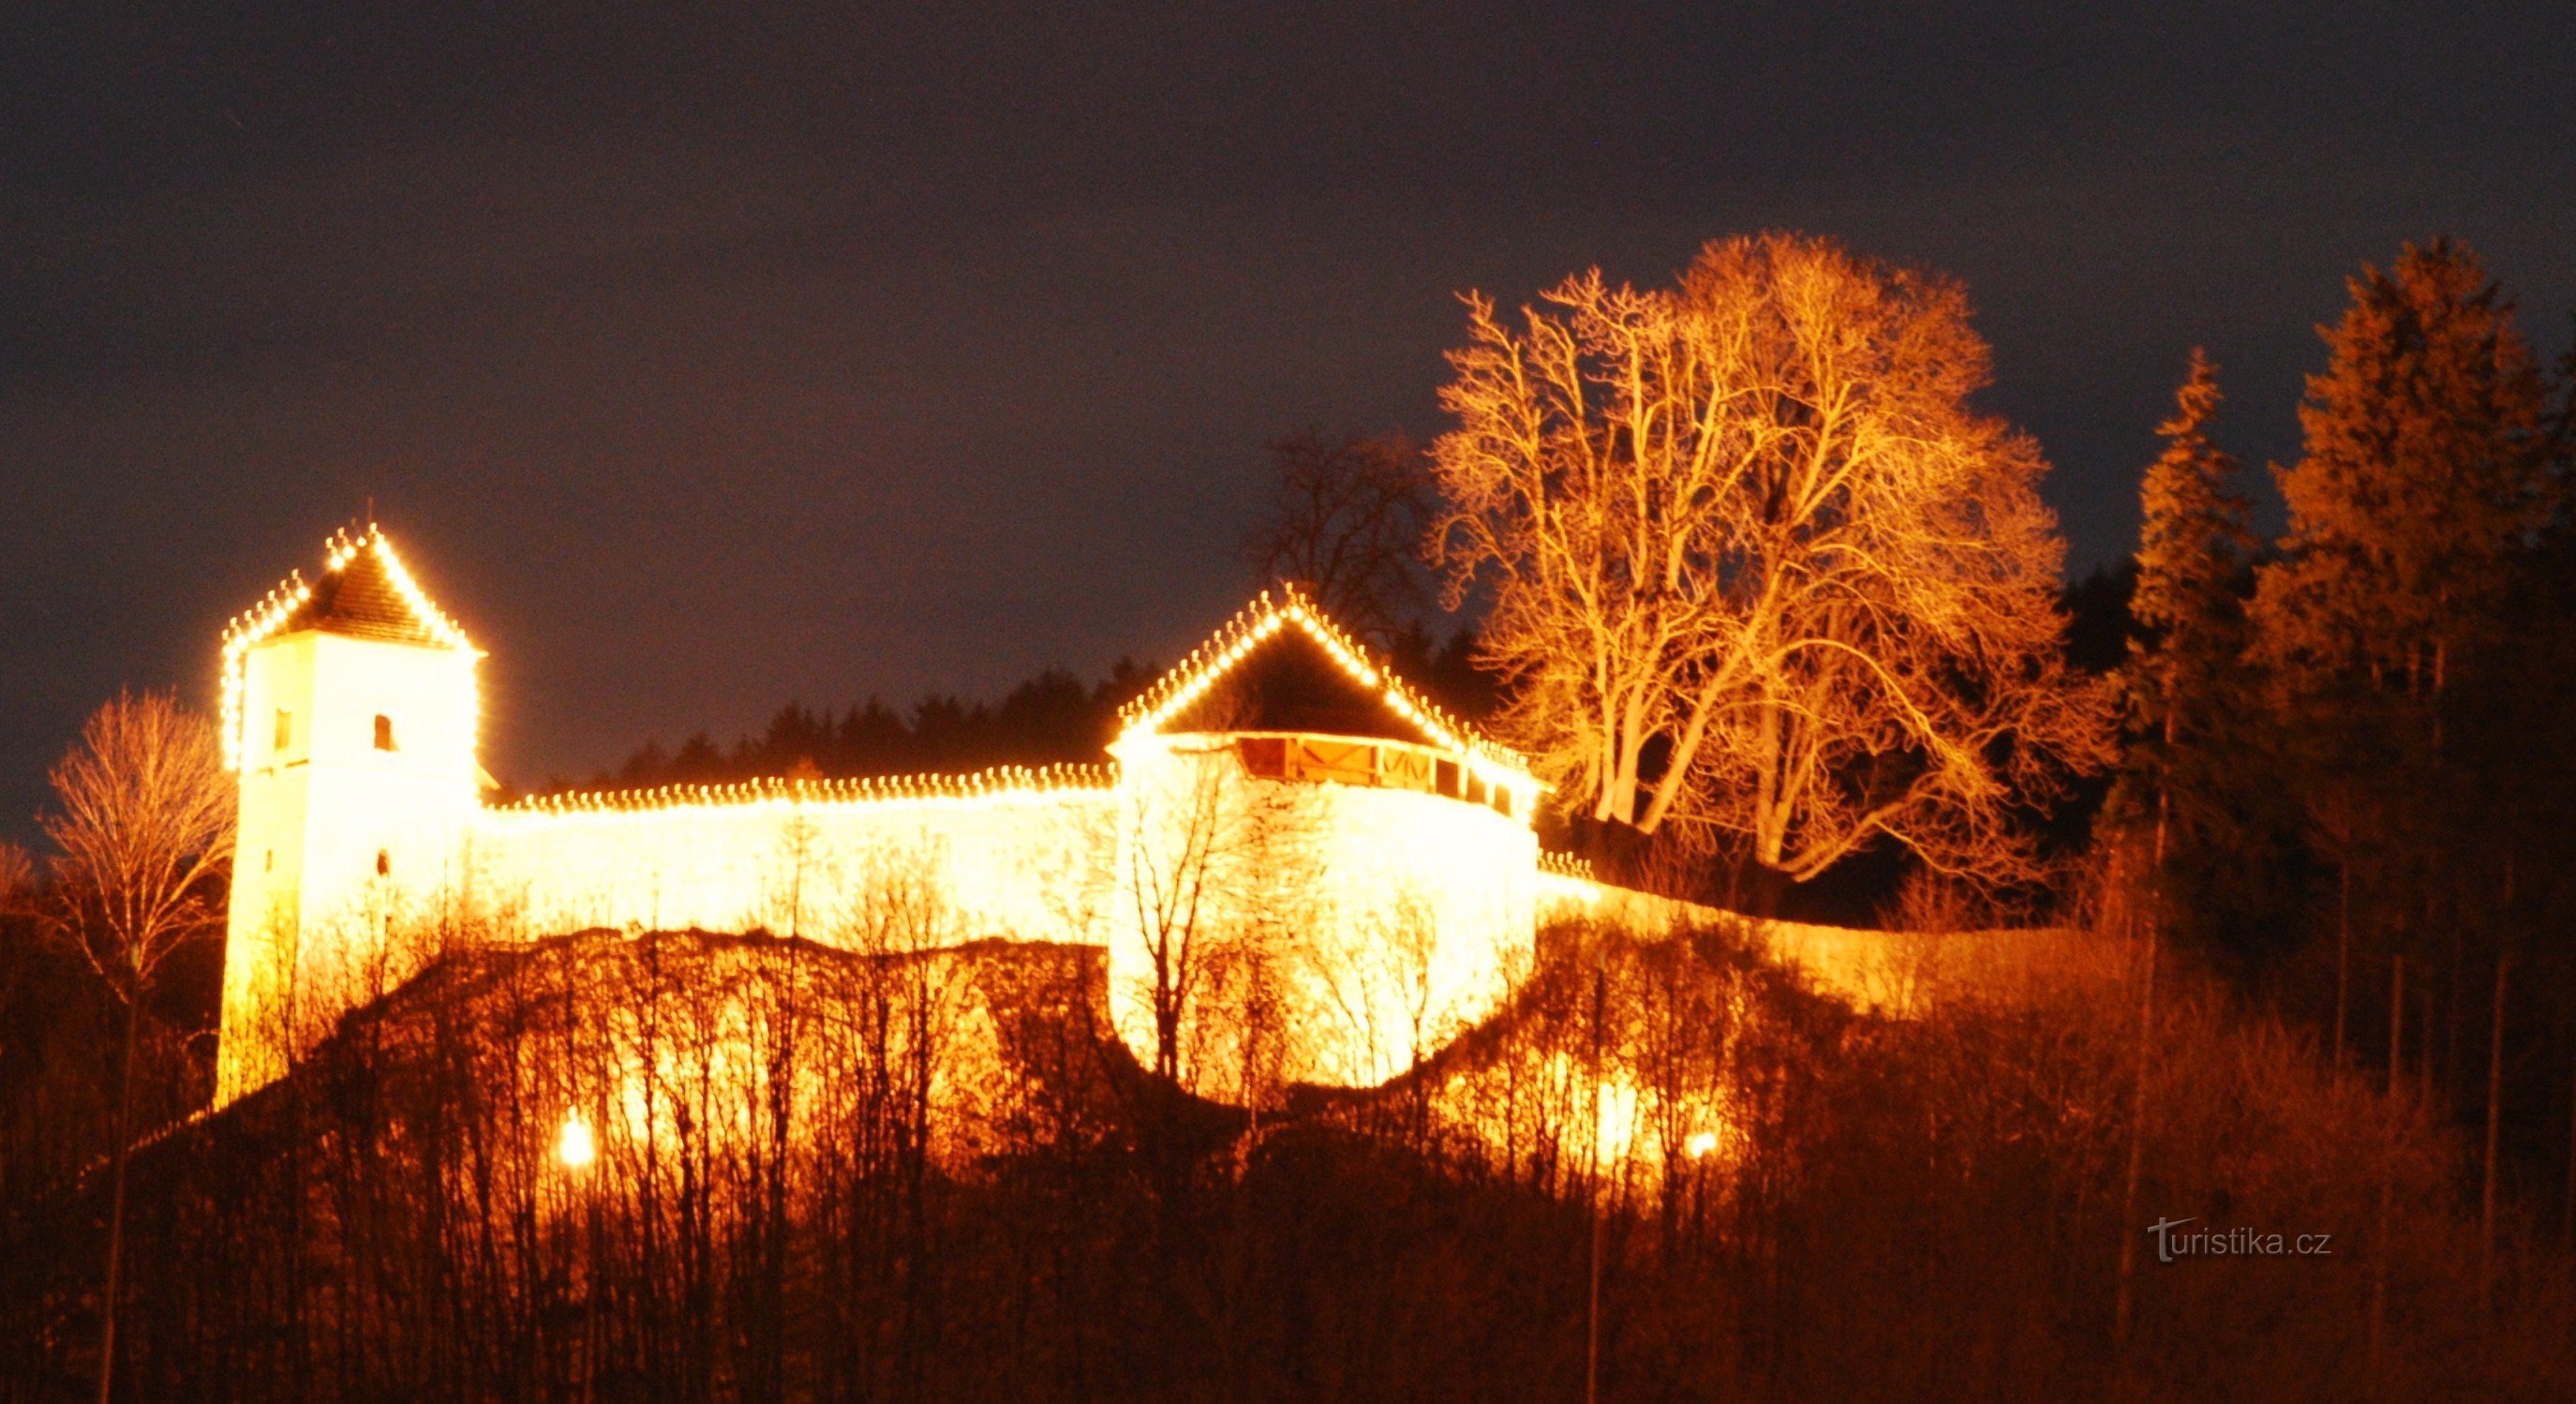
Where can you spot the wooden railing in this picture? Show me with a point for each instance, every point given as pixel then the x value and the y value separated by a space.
pixel 1375 762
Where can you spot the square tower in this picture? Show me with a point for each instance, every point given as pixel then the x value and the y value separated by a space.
pixel 349 712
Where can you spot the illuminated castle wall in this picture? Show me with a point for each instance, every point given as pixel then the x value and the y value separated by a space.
pixel 1335 876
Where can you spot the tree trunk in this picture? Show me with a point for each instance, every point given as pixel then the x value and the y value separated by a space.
pixel 2387 1170
pixel 116 1199
pixel 2396 1023
pixel 2495 1095
pixel 1592 1314
pixel 2424 1043
pixel 2458 1016
pixel 2343 958
pixel 1765 888
pixel 2495 1107
pixel 2567 1205
pixel 2124 1298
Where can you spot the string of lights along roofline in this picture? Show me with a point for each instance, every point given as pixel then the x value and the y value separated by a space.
pixel 1250 628
pixel 255 625
pixel 999 785
pixel 1256 623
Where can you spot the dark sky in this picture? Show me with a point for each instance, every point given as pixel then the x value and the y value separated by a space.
pixel 702 363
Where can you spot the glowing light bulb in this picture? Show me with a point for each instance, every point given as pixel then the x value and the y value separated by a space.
pixel 574 1147
pixel 1700 1144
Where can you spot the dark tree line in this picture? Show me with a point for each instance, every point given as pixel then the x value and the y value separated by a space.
pixel 2349 777
pixel 1050 718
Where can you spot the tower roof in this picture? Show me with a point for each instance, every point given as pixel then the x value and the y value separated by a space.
pixel 367 597
pixel 363 592
pixel 1356 693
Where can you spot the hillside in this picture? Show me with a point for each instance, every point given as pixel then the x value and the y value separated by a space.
pixel 934 1176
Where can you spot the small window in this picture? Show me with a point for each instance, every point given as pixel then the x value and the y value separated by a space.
pixel 284 735
pixel 384 859
pixel 384 732
pixel 1452 780
pixel 1502 801
pixel 1264 756
pixel 268 860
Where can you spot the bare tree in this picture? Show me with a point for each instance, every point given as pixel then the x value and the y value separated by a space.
pixel 1205 866
pixel 1759 571
pixel 1346 520
pixel 144 836
pixel 17 874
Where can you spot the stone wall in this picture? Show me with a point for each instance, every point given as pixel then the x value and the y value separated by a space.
pixel 1317 932
pixel 1310 932
pixel 1025 866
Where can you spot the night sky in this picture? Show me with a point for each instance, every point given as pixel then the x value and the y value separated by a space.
pixel 700 364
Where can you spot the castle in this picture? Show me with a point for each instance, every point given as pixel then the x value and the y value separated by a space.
pixel 1287 846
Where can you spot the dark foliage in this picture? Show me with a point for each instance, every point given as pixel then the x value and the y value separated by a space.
pixel 2098 624
pixel 1053 717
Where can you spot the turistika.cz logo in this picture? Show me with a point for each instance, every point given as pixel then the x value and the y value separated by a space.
pixel 2172 1243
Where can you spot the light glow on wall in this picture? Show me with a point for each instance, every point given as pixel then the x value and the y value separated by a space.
pixel 245 630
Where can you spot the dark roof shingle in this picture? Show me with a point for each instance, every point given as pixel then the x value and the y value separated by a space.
pixel 361 600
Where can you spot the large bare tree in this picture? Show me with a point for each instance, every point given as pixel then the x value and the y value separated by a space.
pixel 1760 574
pixel 1345 519
pixel 143 835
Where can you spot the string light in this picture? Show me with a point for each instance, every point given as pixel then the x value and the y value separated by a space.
pixel 1462 861
pixel 1208 664
pixel 245 630
pixel 254 626
pixel 1000 785
pixel 434 619
pixel 1565 865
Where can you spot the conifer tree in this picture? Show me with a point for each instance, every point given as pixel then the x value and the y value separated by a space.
pixel 2192 541
pixel 2424 473
pixel 2424 482
pixel 2198 781
pixel 2192 544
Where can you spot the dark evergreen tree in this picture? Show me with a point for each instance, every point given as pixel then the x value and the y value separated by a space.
pixel 2199 783
pixel 2426 471
pixel 2424 484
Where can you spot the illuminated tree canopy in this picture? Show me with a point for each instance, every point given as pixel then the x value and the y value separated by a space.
pixel 1760 574
pixel 2426 471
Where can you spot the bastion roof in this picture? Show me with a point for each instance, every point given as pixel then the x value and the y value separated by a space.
pixel 1251 675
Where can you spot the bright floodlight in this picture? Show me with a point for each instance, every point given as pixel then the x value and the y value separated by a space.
pixel 1700 1144
pixel 575 1148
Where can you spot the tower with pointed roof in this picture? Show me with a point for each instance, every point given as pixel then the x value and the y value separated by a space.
pixel 349 713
